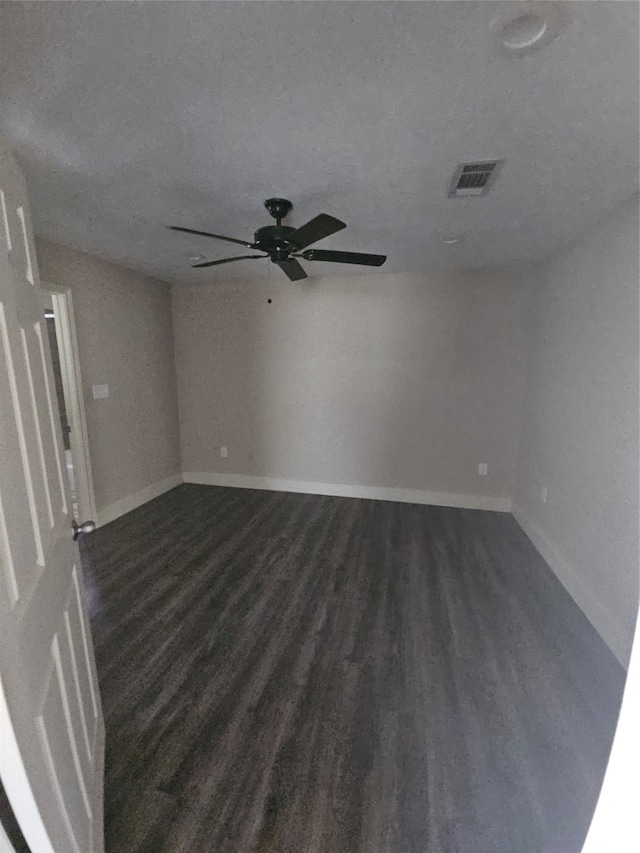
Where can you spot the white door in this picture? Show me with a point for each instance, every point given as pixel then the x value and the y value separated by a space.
pixel 51 724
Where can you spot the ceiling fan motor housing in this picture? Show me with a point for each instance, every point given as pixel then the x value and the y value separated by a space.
pixel 274 238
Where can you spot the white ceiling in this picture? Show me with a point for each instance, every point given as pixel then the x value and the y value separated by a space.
pixel 130 117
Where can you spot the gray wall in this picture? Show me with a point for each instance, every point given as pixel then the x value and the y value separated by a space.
pixel 377 380
pixel 580 424
pixel 392 381
pixel 123 325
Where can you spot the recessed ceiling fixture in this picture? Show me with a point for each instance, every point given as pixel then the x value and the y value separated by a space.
pixel 523 32
pixel 196 258
pixel 451 241
pixel 524 27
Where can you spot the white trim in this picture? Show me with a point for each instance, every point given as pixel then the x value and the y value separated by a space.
pixel 17 785
pixel 97 825
pixel 376 493
pixel 124 505
pixel 74 398
pixel 602 620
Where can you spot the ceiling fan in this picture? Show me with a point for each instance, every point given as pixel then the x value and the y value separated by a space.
pixel 284 244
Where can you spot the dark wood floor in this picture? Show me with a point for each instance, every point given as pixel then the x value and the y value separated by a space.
pixel 296 674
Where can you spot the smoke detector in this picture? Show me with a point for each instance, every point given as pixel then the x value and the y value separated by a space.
pixel 474 179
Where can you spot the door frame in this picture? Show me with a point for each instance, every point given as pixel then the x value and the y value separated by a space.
pixel 64 319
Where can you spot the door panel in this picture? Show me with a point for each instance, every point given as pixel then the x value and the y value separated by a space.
pixel 51 762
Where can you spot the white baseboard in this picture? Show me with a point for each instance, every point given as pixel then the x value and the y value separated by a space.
pixel 376 493
pixel 601 619
pixel 124 505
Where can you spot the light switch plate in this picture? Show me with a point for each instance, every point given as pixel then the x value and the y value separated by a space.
pixel 483 469
pixel 100 392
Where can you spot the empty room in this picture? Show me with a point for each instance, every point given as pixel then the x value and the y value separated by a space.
pixel 319 427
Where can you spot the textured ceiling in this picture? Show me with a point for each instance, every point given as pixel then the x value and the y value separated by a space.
pixel 129 117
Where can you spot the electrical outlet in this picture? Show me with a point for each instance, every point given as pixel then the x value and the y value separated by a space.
pixel 223 452
pixel 100 392
pixel 544 494
pixel 483 469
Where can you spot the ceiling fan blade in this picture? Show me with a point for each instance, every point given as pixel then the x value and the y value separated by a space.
pixel 344 257
pixel 215 236
pixel 316 229
pixel 292 268
pixel 226 261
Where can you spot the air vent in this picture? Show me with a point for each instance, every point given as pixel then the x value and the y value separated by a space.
pixel 474 179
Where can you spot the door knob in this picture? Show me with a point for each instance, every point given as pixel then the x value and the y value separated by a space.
pixel 85 527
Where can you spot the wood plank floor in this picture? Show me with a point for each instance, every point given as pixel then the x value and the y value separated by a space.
pixel 289 673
